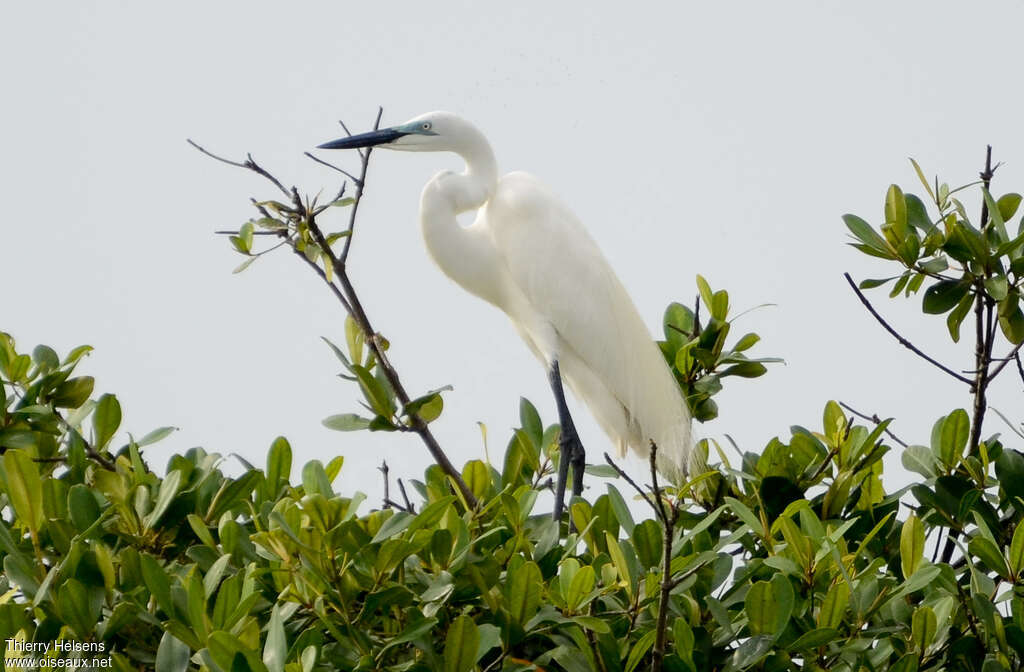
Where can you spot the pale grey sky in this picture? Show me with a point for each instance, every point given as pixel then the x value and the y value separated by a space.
pixel 725 139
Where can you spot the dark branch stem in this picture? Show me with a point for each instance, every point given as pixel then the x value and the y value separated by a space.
pixel 249 164
pixel 360 183
pixel 1013 355
pixel 984 336
pixel 408 505
pixel 668 532
pixel 334 167
pixel 904 342
pixel 875 419
pixel 387 485
pixel 625 476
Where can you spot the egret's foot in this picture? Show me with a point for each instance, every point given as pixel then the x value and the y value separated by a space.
pixel 571 453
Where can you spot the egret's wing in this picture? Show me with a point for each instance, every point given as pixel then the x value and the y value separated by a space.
pixel 566 279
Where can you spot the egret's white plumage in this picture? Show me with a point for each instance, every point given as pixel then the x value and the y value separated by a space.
pixel 530 256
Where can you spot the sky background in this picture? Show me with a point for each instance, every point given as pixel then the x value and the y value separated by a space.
pixel 725 139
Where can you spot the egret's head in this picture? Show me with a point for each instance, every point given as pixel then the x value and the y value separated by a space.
pixel 430 132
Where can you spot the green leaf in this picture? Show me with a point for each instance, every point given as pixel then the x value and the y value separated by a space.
pixel 460 645
pixel 376 394
pixel 245 235
pixel 1012 325
pixel 73 392
pixel 867 235
pixel 428 407
pixel 753 650
pixel 640 649
pixel 908 663
pixel 953 438
pixel 346 422
pixel 746 342
pixel 648 543
pixel 82 506
pixel 896 208
pixel 622 513
pixel 924 181
pixel 761 609
pixel 279 466
pixel 917 214
pixel 814 639
pixel 745 370
pixel 105 420
pixel 314 479
pixel 156 435
pixel 1017 550
pixel 1007 205
pixel 529 419
pixel 275 649
pixel 745 514
pixel 834 605
pixel 24 488
pixel 477 476
pixel 923 628
pixel 522 592
pixel 957 315
pixel 911 545
pixel 944 295
pixel 705 291
pixel 168 491
pixel 997 287
pixel 579 587
pixel 921 460
pixel 990 554
pixel 172 655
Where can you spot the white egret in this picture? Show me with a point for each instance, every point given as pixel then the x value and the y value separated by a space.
pixel 527 254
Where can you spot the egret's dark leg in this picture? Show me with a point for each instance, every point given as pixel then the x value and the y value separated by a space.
pixel 570 447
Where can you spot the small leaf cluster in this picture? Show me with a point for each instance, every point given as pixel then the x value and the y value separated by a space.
pixel 380 401
pixel 958 262
pixel 697 354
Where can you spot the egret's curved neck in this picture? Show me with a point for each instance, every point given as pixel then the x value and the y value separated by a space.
pixel 466 255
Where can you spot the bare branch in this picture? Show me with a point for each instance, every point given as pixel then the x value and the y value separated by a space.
pixel 334 167
pixel 248 164
pixel 1013 355
pixel 408 505
pixel 360 183
pixel 383 468
pixel 624 475
pixel 904 342
pixel 875 419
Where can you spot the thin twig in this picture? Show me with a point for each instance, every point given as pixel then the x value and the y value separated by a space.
pixel 334 167
pixel 383 468
pixel 875 419
pixel 249 164
pixel 1014 355
pixel 392 504
pixel 360 183
pixel 668 530
pixel 654 482
pixel 624 475
pixel 904 342
pixel 408 504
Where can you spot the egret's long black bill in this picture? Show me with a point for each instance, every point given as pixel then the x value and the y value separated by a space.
pixel 364 139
